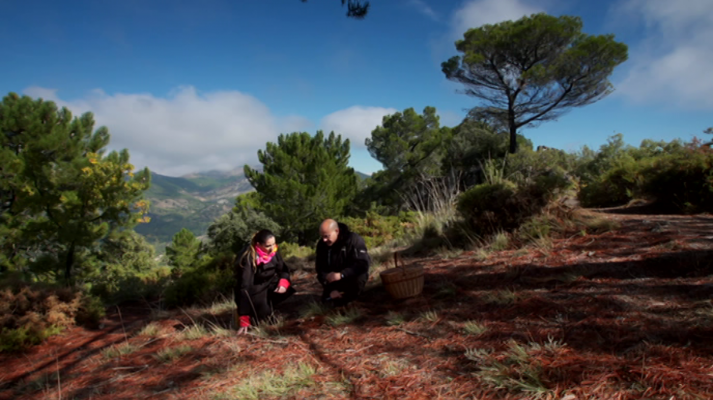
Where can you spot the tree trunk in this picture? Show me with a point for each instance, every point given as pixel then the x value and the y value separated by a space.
pixel 69 262
pixel 513 127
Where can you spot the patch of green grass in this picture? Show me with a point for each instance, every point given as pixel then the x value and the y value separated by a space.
pixel 122 349
pixel 270 326
pixel 219 331
pixel 447 253
pixel 344 317
pixel 500 241
pixel 393 318
pixel 268 384
pixel 152 329
pixel 170 354
pixel 313 309
pixel 518 369
pixel 429 316
pixel 195 331
pixel 221 307
pixel 474 328
pixel 481 254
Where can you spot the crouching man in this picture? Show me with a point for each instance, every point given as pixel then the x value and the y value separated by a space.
pixel 342 263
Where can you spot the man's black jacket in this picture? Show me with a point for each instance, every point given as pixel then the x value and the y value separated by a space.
pixel 347 255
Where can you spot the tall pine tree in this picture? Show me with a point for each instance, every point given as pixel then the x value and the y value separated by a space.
pixel 409 146
pixel 305 179
pixel 60 192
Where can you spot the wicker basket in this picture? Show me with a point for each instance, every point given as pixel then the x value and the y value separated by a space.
pixel 404 281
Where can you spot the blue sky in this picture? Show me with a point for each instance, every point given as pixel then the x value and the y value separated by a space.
pixel 190 86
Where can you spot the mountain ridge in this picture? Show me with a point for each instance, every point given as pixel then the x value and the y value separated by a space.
pixel 192 201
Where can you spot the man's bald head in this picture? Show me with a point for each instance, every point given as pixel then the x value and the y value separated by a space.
pixel 329 231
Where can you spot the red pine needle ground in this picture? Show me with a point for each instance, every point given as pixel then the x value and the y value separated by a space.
pixel 621 315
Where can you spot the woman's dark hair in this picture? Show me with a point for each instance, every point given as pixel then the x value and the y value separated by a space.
pixel 261 237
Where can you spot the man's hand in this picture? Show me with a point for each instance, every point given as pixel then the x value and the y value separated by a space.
pixel 336 295
pixel 280 289
pixel 333 276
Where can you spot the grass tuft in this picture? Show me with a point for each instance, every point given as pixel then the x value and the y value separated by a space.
pixel 474 328
pixel 267 384
pixel 344 317
pixel 170 354
pixel 116 351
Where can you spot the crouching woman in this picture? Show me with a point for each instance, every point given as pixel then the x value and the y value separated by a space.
pixel 263 280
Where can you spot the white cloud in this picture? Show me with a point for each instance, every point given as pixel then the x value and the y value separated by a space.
pixel 355 123
pixel 186 131
pixel 425 9
pixel 672 64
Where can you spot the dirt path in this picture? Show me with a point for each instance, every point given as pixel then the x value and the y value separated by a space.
pixel 624 314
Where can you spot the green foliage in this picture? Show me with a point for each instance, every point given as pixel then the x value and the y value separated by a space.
pixel 200 285
pixel 677 175
pixel 60 193
pixel 305 179
pixel 684 181
pixel 232 231
pixel 290 250
pixel 378 229
pixel 124 267
pixel 410 147
pixel 533 69
pixel 490 206
pixel 182 253
pixel 503 205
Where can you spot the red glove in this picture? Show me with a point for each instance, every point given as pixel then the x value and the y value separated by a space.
pixel 284 283
pixel 244 321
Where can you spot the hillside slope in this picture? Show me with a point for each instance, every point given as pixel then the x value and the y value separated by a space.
pixel 191 201
pixel 624 314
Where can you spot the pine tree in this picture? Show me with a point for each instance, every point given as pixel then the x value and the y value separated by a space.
pixel 183 251
pixel 304 180
pixel 409 146
pixel 59 192
pixel 534 69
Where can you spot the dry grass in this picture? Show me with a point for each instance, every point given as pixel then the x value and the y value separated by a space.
pixel 171 354
pixel 268 384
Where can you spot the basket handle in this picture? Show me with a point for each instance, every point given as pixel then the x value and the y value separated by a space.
pixel 396 263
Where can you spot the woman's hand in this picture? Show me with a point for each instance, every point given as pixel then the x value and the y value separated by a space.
pixel 280 289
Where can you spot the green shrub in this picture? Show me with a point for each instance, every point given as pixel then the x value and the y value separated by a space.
pixel 117 288
pixel 290 250
pixel 682 182
pixel 616 186
pixel 677 176
pixel 378 229
pixel 489 207
pixel 199 286
pixel 504 206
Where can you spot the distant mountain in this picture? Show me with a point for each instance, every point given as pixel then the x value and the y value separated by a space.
pixel 362 175
pixel 192 201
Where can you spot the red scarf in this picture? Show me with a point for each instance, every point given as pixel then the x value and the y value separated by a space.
pixel 262 256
